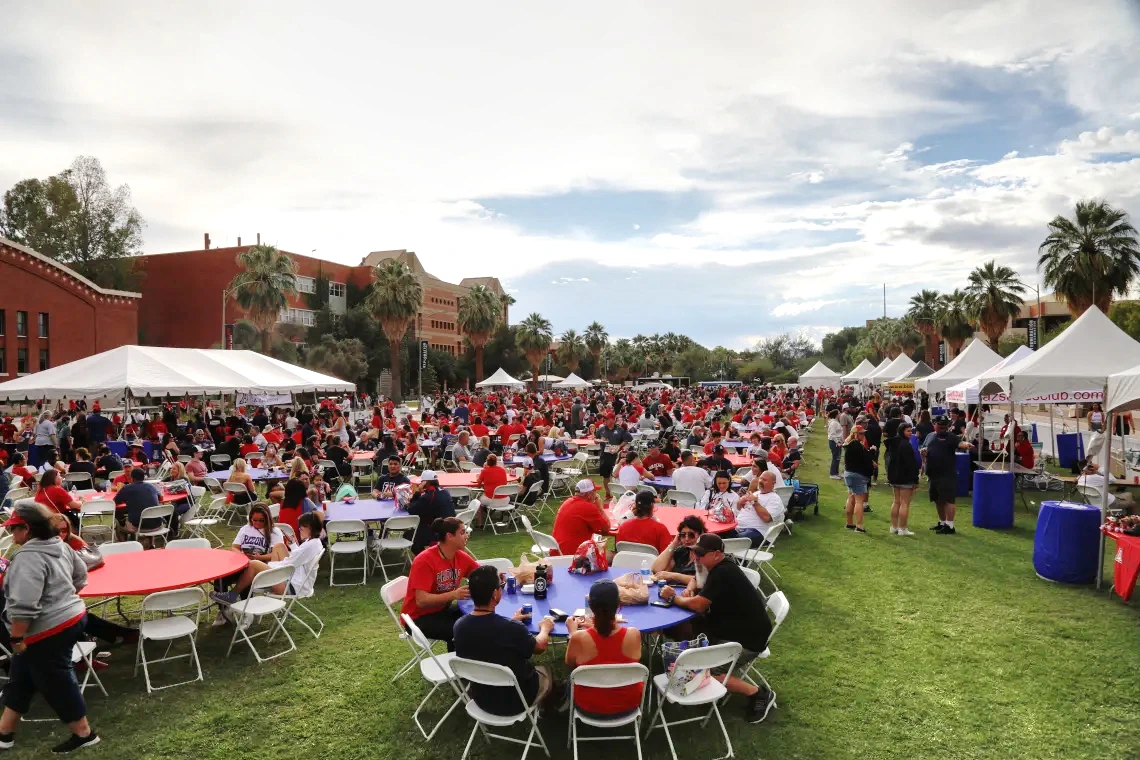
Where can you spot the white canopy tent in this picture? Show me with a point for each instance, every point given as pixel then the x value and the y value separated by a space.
pixel 821 376
pixel 138 371
pixel 500 378
pixel 865 368
pixel 972 361
pixel 883 365
pixel 900 366
pixel 573 381
pixel 905 373
pixel 967 392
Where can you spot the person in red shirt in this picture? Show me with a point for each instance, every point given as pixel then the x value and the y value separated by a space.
pixel 249 450
pixel 478 429
pixel 642 528
pixel 656 463
pixel 489 478
pixel 56 498
pixel 157 429
pixel 22 475
pixel 435 581
pixel 579 518
pixel 273 435
pixel 713 442
pixel 1024 451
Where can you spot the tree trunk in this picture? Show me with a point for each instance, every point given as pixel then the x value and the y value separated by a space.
pixel 478 363
pixel 993 339
pixel 572 366
pixel 266 334
pixel 534 375
pixel 395 347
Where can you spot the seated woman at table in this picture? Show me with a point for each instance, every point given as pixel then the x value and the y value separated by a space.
pixel 676 563
pixel 272 459
pixel 249 450
pixel 83 463
pixel 298 556
pixel 296 502
pixel 386 449
pixel 298 467
pixel 721 494
pixel 778 451
pixel 337 453
pixel 238 474
pixel 435 581
pixel 489 478
pixel 170 447
pixel 632 472
pixel 604 642
pixel 52 462
pixel 258 539
pixel 1023 452
pixel 480 452
pixel 642 528
pixel 56 498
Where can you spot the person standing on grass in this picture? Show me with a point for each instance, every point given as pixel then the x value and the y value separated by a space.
pixel 938 452
pixel 858 467
pixel 834 441
pixel 902 475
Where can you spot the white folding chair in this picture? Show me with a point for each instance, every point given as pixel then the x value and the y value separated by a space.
pixel 560 560
pixel 502 503
pixel 347 547
pixel 361 469
pixel 488 674
pixel 682 498
pixel 94 510
pixel 120 547
pixel 286 530
pixel 78 480
pixel 668 688
pixel 189 543
pixel 237 507
pixel 220 461
pixel 392 594
pixel 169 627
pixel 263 602
pixel 392 539
pixel 202 517
pixel 778 605
pixel 162 513
pixel 633 546
pixel 436 670
pixel 467 516
pixel 544 544
pixel 606 677
pixel 630 560
pixel 294 599
pixel 499 563
pixel 460 496
pixel 763 554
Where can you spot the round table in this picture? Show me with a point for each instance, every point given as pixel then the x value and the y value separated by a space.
pixel 671 518
pixel 458 479
pixel 1066 544
pixel 257 473
pixel 367 510
pixel 568 593
pixel 140 573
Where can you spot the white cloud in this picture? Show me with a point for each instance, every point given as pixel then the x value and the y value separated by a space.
pixel 792 308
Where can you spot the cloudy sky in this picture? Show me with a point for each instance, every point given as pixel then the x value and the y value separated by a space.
pixel 728 170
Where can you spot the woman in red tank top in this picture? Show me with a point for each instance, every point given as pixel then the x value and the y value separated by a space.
pixel 605 643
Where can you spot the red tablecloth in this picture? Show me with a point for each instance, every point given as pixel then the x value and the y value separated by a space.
pixel 671 518
pixel 165 497
pixel 457 479
pixel 1126 563
pixel 739 460
pixel 139 573
pixel 582 441
pixel 364 455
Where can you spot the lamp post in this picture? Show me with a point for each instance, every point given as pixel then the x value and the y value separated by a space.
pixel 226 293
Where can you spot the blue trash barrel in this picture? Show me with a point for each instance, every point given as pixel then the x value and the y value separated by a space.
pixel 937 410
pixel 964 470
pixel 1033 435
pixel 993 499
pixel 1070 449
pixel 1066 545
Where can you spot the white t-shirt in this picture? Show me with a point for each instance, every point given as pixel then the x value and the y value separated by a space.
pixel 1096 480
pixel 300 557
pixel 725 498
pixel 695 480
pixel 628 476
pixel 290 422
pixel 253 539
pixel 779 475
pixel 747 517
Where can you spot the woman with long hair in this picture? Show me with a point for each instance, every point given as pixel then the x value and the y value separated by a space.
pixel 721 494
pixel 295 502
pixel 858 467
pixel 298 556
pixel 56 498
pixel 902 474
pixel 238 474
pixel 604 642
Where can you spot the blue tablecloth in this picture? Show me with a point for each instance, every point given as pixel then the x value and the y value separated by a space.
pixel 254 472
pixel 1066 546
pixel 964 471
pixel 368 510
pixel 993 499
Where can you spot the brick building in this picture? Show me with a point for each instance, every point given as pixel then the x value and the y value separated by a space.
pixel 182 295
pixel 52 315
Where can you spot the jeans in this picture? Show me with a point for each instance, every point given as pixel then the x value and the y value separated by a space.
pixel 752 534
pixel 836 449
pixel 45 667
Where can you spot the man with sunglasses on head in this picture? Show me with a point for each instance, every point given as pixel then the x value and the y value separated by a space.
pixel 677 564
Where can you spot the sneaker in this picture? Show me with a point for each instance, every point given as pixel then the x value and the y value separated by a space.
pixel 860 530
pixel 850 527
pixel 905 532
pixel 867 509
pixel 7 741
pixel 836 477
pixel 894 530
pixel 944 530
pixel 759 705
pixel 220 620
pixel 76 742
pixel 225 597
pixel 936 526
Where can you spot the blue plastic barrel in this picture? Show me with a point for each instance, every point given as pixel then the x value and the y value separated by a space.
pixel 1069 449
pixel 1066 545
pixel 964 470
pixel 1033 435
pixel 993 499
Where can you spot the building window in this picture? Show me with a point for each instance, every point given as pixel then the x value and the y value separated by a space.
pixel 336 290
pixel 3 322
pixel 303 317
pixel 21 361
pixel 42 323
pixel 305 284
pixel 21 324
pixel 43 359
pixel 3 360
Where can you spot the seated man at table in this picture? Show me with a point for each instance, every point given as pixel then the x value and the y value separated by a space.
pixel 392 477
pixel 429 502
pixel 462 450
pixel 657 463
pixel 130 502
pixel 580 517
pixel 717 462
pixel 435 581
pixel 735 611
pixel 689 477
pixel 486 636
pixel 1092 478
pixel 793 458
pixel 759 510
pixel 196 469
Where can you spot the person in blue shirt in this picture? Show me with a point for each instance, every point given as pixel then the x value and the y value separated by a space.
pixel 97 426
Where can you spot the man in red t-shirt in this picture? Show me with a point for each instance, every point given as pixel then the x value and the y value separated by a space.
pixel 579 518
pixel 657 463
pixel 436 574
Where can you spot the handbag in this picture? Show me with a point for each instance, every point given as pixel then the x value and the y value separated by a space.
pixel 689 680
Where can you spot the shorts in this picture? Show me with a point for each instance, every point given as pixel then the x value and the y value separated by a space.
pixel 742 662
pixel 856 483
pixel 910 486
pixel 943 490
pixel 606 464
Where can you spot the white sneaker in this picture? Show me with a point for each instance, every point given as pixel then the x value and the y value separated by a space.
pixel 905 532
pixel 836 477
pixel 894 530
pixel 220 620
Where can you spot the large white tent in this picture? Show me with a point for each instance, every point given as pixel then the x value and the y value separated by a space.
pixel 967 392
pixel 865 368
pixel 820 376
pixel 138 371
pixel 972 361
pixel 573 382
pixel 1073 368
pixel 899 367
pixel 500 378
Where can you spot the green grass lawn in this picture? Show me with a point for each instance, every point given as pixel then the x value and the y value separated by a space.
pixel 932 646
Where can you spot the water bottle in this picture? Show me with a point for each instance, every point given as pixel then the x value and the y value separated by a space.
pixel 645 571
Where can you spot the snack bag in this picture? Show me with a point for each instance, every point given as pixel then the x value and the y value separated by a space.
pixel 403 495
pixel 589 558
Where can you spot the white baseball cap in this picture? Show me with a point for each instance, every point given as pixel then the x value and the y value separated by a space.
pixel 427 475
pixel 585 485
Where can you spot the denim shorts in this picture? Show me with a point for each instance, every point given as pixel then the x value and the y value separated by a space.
pixel 856 483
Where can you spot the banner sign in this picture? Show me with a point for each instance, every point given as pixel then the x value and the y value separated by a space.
pixel 942 353
pixel 1032 333
pixel 229 346
pixel 1062 397
pixel 423 354
pixel 265 399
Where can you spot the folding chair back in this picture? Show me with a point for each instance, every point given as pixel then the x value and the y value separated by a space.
pixel 778 604
pixel 401 524
pixel 785 494
pixel 168 601
pixel 608 676
pixel 509 490
pixel 635 548
pixel 79 480
pixel 486 674
pixel 752 575
pixel 499 563
pixel 220 461
pixel 630 560
pixel 264 581
pixel 189 543
pixel 467 516
pixel 706 658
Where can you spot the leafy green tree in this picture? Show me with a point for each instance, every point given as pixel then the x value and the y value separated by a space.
pixel 1010 343
pixel 534 336
pixel 954 319
pixel 994 296
pixel 1090 258
pixel 835 345
pixel 923 314
pixel 479 312
pixel 572 350
pixel 77 218
pixel 263 287
pixel 597 339
pixel 622 357
pixel 343 358
pixel 1126 315
pixel 396 298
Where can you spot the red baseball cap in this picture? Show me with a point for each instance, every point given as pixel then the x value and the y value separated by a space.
pixel 14 520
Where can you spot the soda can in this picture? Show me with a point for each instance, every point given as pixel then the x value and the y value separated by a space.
pixel 511 584
pixel 528 609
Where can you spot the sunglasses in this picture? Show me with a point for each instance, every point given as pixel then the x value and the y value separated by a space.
pixel 687 534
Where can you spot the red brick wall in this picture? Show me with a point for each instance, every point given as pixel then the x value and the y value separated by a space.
pixel 81 321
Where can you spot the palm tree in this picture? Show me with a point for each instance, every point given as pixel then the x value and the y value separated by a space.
pixel 994 296
pixel 479 312
pixel 954 319
pixel 622 358
pixel 506 301
pixel 396 298
pixel 572 351
pixel 263 287
pixel 534 337
pixel 1090 258
pixel 596 340
pixel 923 312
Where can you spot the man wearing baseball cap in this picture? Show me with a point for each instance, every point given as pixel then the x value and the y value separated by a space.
pixel 430 501
pixel 734 611
pixel 580 517
pixel 938 453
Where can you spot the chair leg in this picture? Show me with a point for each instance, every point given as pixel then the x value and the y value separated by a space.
pixel 470 739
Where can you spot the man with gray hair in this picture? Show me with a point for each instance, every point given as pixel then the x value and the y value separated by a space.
pixel 760 510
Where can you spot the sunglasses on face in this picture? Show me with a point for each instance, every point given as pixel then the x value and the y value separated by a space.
pixel 687 534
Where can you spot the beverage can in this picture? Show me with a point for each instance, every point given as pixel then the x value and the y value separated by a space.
pixel 511 587
pixel 527 609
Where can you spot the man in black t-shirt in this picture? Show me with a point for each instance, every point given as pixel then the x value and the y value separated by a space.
pixel 734 611
pixel 488 637
pixel 938 453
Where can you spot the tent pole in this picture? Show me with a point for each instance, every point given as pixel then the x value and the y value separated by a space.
pixel 1104 490
pixel 1012 434
pixel 1052 433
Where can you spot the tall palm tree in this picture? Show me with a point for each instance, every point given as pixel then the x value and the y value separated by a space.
pixel 506 301
pixel 596 340
pixel 534 337
pixel 479 312
pixel 994 295
pixel 263 287
pixel 954 319
pixel 572 351
pixel 1091 257
pixel 923 312
pixel 395 300
pixel 622 358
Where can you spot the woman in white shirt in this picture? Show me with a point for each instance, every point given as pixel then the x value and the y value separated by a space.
pixel 721 494
pixel 632 473
pixel 300 556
